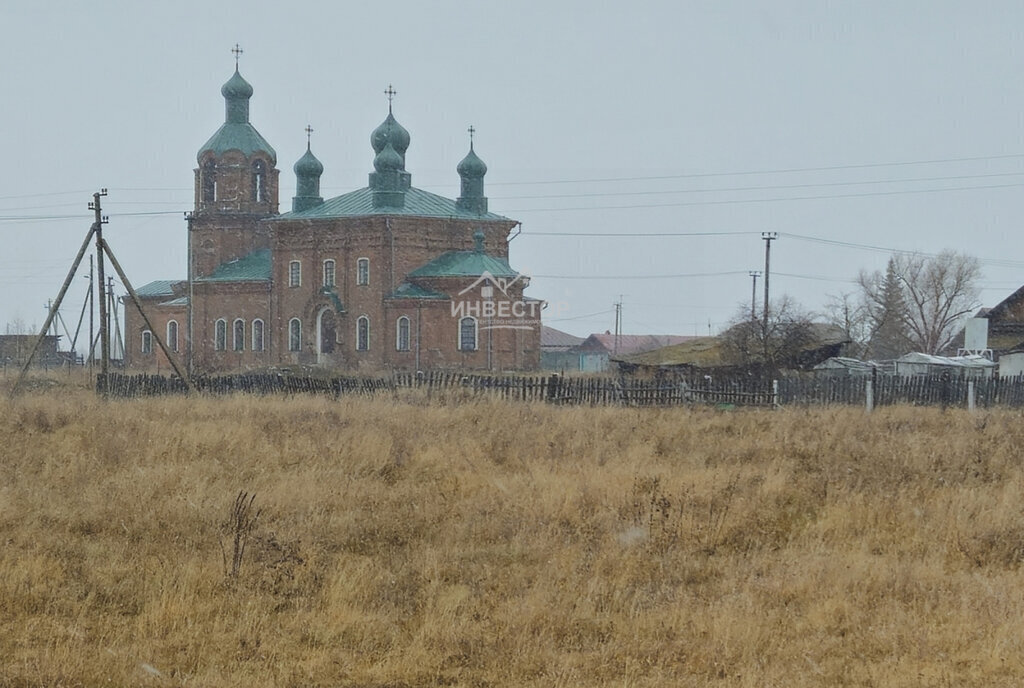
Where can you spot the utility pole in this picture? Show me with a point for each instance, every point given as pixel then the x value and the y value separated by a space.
pixel 753 294
pixel 618 324
pixel 768 237
pixel 92 312
pixel 118 342
pixel 101 279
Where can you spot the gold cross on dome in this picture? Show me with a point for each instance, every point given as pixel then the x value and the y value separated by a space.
pixel 238 53
pixel 390 93
pixel 471 131
pixel 309 134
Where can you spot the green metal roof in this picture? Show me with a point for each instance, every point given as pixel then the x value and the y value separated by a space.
pixel 418 203
pixel 240 136
pixel 407 290
pixel 254 267
pixel 157 288
pixel 465 264
pixel 180 301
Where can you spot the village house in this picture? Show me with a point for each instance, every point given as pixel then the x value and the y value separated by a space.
pixel 384 277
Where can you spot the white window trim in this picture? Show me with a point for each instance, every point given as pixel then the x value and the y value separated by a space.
pixel 360 282
pixel 237 343
pixel 297 282
pixel 398 333
pixel 290 324
pixel 262 338
pixel 476 333
pixel 172 342
pixel 217 324
pixel 334 272
pixel 361 319
pixel 147 335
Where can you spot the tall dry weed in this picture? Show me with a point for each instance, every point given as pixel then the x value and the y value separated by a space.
pixel 451 542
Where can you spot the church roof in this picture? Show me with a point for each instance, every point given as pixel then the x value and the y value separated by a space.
pixel 407 290
pixel 418 203
pixel 240 136
pixel 465 264
pixel 254 267
pixel 157 288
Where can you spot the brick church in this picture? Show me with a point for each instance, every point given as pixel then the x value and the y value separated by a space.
pixel 384 277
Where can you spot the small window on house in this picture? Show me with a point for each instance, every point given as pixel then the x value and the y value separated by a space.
pixel 257 335
pixel 363 271
pixel 328 273
pixel 363 334
pixel 294 274
pixel 147 342
pixel 467 334
pixel 238 335
pixel 402 334
pixel 220 335
pixel 294 335
pixel 172 335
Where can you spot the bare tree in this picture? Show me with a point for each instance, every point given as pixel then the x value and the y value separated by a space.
pixel 885 307
pixel 920 302
pixel 850 313
pixel 774 343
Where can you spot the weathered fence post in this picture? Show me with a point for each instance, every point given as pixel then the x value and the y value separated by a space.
pixel 970 396
pixel 869 394
pixel 553 387
pixel 776 403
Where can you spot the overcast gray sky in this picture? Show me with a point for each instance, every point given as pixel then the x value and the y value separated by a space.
pixel 850 128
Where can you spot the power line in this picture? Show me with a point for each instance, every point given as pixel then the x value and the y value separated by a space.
pixel 47 218
pixel 789 170
pixel 581 317
pixel 767 187
pixel 999 262
pixel 769 200
pixel 638 234
pixel 612 277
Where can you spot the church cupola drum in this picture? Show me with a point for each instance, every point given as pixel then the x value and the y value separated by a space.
pixel 237 170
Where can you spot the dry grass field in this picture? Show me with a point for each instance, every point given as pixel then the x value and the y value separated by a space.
pixel 413 542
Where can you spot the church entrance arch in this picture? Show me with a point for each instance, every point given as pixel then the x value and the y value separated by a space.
pixel 326 335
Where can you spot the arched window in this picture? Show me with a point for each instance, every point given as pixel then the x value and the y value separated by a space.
pixel 220 335
pixel 259 181
pixel 147 342
pixel 467 334
pixel 328 273
pixel 257 335
pixel 294 274
pixel 363 333
pixel 238 335
pixel 172 335
pixel 208 181
pixel 295 335
pixel 402 334
pixel 363 271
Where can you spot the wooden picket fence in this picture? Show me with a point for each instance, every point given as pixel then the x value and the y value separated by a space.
pixel 789 390
pixel 593 391
pixel 918 390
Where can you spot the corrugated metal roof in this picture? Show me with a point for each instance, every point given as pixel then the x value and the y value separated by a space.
pixel 254 267
pixel 551 339
pixel 418 203
pixel 240 136
pixel 947 361
pixel 157 288
pixel 181 301
pixel 631 343
pixel 465 264
pixel 407 290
